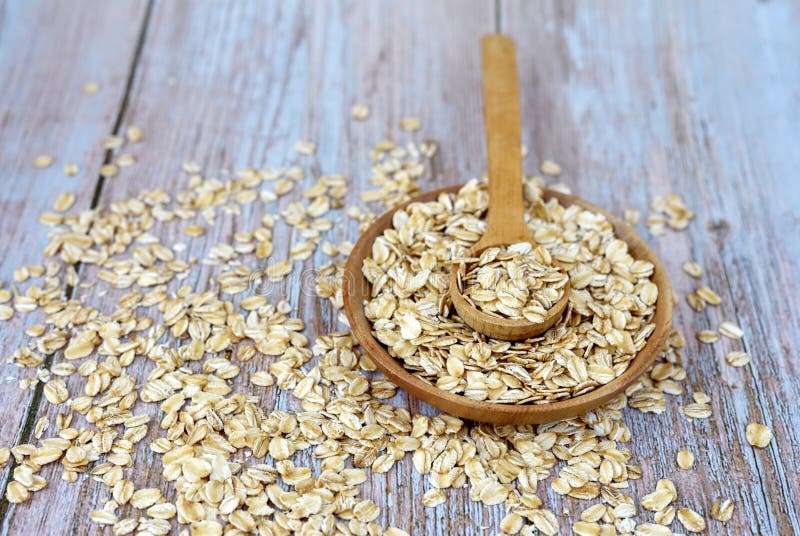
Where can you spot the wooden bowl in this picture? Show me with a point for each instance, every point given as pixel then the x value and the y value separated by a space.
pixel 356 291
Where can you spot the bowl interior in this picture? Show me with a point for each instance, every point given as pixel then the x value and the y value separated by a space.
pixel 356 291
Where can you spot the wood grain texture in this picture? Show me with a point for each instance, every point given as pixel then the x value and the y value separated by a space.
pixel 44 111
pixel 634 99
pixel 643 99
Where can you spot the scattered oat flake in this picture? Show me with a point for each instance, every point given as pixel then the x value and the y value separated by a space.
pixel 685 459
pixel 194 230
pixel 548 167
pixel 433 497
pixel 697 410
pixel 305 147
pixel 64 202
pixel 695 302
pixel 134 133
pixel 410 123
pixel 190 166
pixel 103 517
pixel 56 392
pixel 656 225
pixel 693 269
pixel 649 529
pixel 43 161
pixel 109 170
pixel 664 494
pixel 731 330
pixel 546 521
pixel 708 295
pixel 70 170
pixel 79 346
pixel 722 510
pixel 493 493
pixel 511 523
pixel 593 513
pixel 691 520
pixel 90 88
pixel 21 274
pixel 586 528
pixel 113 142
pixel 737 358
pixel 758 435
pixel 707 336
pixel 279 270
pixel 359 112
pixel 631 216
pixel 16 492
pixel 125 160
pixel 145 497
pixel 700 397
pixel 262 378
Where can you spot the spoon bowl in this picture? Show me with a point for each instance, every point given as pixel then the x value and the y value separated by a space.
pixel 509 329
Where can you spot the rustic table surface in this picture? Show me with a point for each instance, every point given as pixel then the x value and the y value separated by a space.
pixel 633 99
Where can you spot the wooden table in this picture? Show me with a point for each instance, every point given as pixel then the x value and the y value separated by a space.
pixel 634 99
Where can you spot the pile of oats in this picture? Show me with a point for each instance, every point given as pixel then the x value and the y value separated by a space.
pixel 607 321
pixel 181 370
pixel 518 281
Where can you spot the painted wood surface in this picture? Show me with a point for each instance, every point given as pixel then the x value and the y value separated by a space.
pixel 633 99
pixel 43 110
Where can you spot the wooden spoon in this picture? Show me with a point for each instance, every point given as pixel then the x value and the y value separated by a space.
pixel 505 221
pixel 357 291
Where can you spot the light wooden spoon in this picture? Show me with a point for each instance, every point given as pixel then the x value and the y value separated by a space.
pixel 357 291
pixel 505 222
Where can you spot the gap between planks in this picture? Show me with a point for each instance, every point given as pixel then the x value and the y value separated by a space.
pixel 31 410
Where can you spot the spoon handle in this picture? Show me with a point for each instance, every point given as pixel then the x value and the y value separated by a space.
pixel 505 222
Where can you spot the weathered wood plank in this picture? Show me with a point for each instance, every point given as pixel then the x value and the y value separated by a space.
pixel 238 84
pixel 44 111
pixel 643 99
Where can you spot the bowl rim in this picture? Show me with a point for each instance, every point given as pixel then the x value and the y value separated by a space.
pixel 356 290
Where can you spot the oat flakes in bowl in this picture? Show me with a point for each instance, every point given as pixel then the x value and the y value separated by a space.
pixel 609 318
